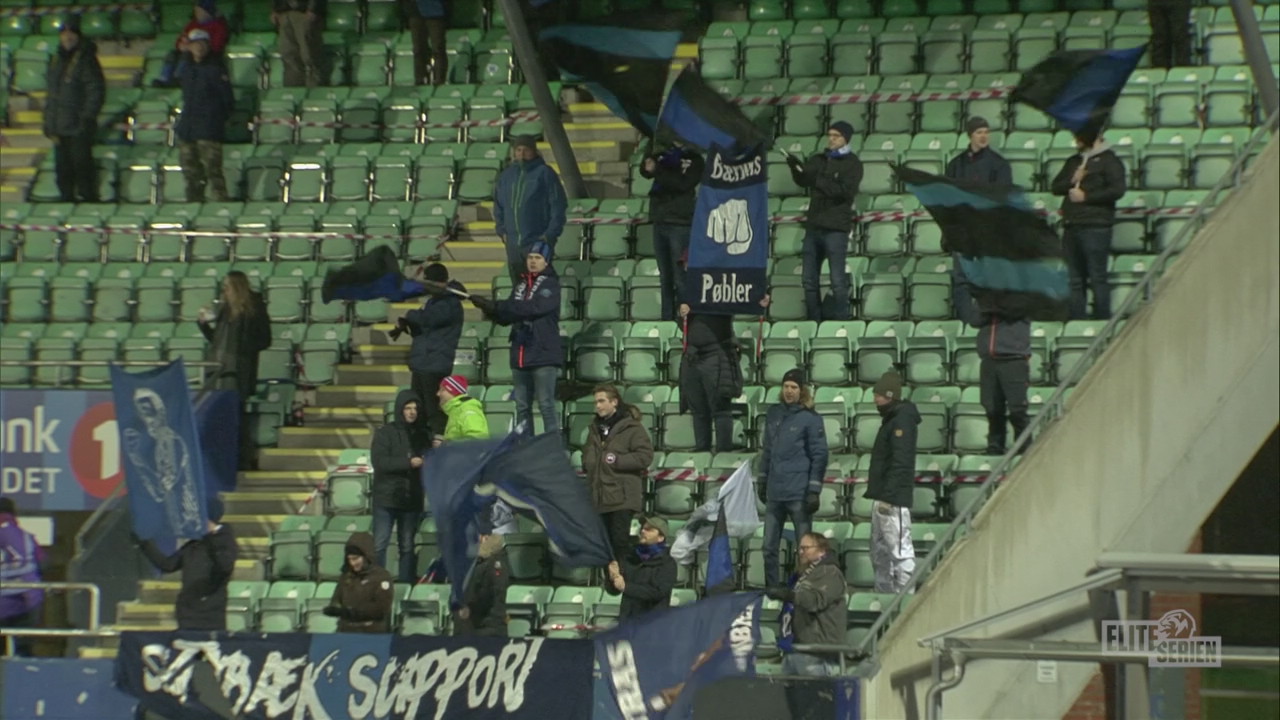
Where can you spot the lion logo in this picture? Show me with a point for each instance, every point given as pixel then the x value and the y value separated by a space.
pixel 1175 624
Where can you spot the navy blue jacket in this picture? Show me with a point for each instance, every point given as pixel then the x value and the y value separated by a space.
pixel 892 475
pixel 533 312
pixel 206 101
pixel 986 167
pixel 435 328
pixel 793 459
pixel 998 337
pixel 529 205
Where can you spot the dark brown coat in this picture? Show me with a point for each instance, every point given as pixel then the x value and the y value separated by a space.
pixel 616 465
pixel 365 595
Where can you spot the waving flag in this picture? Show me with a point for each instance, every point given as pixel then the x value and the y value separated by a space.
pixel 376 275
pixel 1078 88
pixel 698 115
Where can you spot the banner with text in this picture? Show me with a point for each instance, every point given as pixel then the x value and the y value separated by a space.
pixel 322 677
pixel 729 240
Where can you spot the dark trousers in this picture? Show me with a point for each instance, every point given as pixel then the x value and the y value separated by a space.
pixel 426 385
pixel 670 242
pixel 428 49
pixel 832 246
pixel 1004 397
pixel 1170 32
pixel 74 168
pixel 961 296
pixel 618 524
pixel 1088 247
pixel 775 516
pixel 700 388
pixel 406 522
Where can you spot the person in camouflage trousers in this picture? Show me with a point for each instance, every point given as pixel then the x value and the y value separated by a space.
pixel 207 102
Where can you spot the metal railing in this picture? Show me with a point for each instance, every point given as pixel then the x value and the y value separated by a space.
pixel 1054 406
pixel 95 613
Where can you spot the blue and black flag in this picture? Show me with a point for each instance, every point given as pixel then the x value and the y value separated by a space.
pixel 720 578
pixel 376 275
pixel 1078 88
pixel 1010 255
pixel 624 63
pixel 697 115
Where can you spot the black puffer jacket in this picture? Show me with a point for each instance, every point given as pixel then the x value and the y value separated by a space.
pixel 649 582
pixel 396 483
pixel 1103 184
pixel 833 183
pixel 77 90
pixel 892 474
pixel 436 328
pixel 676 174
pixel 207 101
pixel 206 566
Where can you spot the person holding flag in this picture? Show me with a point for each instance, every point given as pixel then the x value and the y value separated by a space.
pixel 206 564
pixel 615 459
pixel 435 328
pixel 814 608
pixel 676 173
pixel 483 609
pixel 645 576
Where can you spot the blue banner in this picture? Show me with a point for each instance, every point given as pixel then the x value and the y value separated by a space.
pixel 202 675
pixel 63 689
pixel 161 452
pixel 729 241
pixel 656 664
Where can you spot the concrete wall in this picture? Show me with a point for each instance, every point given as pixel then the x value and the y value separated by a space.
pixel 1153 438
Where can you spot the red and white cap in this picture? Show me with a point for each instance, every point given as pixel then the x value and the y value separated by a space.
pixel 455 384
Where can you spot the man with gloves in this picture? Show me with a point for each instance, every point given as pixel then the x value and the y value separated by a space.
pixel 676 173
pixel 528 204
pixel 814 609
pixel 435 328
pixel 362 600
pixel 483 610
pixel 793 462
pixel 833 178
pixel 891 484
pixel 206 565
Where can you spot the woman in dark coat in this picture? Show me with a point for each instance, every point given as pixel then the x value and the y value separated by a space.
pixel 616 457
pixel 239 331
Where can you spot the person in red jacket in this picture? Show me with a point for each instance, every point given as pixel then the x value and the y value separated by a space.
pixel 204 17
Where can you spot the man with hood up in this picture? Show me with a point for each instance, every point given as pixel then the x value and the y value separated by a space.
pixel 435 328
pixel 528 204
pixel 483 611
pixel 206 565
pixel 891 484
pixel 396 456
pixel 1090 185
pixel 362 600
pixel 77 90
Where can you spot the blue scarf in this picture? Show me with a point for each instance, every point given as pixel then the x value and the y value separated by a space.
pixel 786 619
pixel 846 150
pixel 649 552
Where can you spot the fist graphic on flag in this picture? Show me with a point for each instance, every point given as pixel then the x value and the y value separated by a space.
pixel 730 225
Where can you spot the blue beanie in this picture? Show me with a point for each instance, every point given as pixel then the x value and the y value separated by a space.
pixel 541 248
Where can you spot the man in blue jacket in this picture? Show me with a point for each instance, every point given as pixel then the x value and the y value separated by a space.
pixel 537 352
pixel 435 328
pixel 1004 346
pixel 206 104
pixel 891 484
pixel 793 461
pixel 528 204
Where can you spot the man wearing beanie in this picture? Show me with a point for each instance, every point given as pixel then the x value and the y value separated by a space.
pixel 982 166
pixel 793 462
pixel 76 91
pixel 465 413
pixel 206 565
pixel 891 483
pixel 676 173
pixel 362 600
pixel 207 103
pixel 833 178
pixel 435 328
pixel 528 204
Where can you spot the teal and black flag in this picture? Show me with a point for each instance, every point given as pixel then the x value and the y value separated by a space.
pixel 1078 88
pixel 696 114
pixel 624 62
pixel 1010 255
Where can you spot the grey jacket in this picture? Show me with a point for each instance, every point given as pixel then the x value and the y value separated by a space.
pixel 821 610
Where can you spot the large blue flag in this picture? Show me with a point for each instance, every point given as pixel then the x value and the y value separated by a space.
pixel 696 114
pixel 729 240
pixel 376 275
pixel 720 577
pixel 1078 88
pixel 163 468
pixel 655 664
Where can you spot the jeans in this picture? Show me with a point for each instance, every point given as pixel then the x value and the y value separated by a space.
pixel 537 384
pixel 832 246
pixel 406 522
pixel 1087 249
pixel 775 514
pixel 1004 397
pixel 670 243
pixel 893 554
pixel 1170 32
pixel 961 296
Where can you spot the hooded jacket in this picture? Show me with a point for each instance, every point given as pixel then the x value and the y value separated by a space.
pixel 793 457
pixel 821 610
pixel 1103 184
pixel 985 167
pixel 206 566
pixel 529 205
pixel 485 596
pixel 533 312
pixel 833 184
pixel 77 90
pixel 466 419
pixel 397 484
pixel 673 195
pixel 236 342
pixel 616 462
pixel 998 338
pixel 649 581
pixel 207 101
pixel 366 595
pixel 435 328
pixel 892 475
pixel 23 557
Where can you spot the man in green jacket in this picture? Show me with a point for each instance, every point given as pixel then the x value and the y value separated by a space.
pixel 465 413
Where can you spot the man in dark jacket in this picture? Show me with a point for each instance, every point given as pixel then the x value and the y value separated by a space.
pixel 891 485
pixel 793 462
pixel 710 378
pixel 537 351
pixel 435 328
pixel 616 460
pixel 483 611
pixel 362 600
pixel 646 576
pixel 397 488
pixel 77 90
pixel 1004 345
pixel 814 608
pixel 206 565
pixel 207 102
pixel 300 23
pixel 676 173
pixel 528 204
pixel 980 165
pixel 1090 184
pixel 833 178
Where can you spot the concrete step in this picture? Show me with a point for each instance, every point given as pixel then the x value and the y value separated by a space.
pixel 347 416
pixel 158 591
pixel 474 249
pixel 17 139
pixel 24 157
pixel 285 481
pixel 470 313
pixel 614 131
pixel 389 374
pixel 249 568
pixel 594 151
pixel 134 612
pixel 247 502
pixel 326 438
pixel 368 395
pixel 97 653
pixel 381 354
pixel 254 526
pixel 298 458
pixel 156 626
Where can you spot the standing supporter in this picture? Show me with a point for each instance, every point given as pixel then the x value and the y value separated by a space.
pixel 236 334
pixel 676 173
pixel 616 458
pixel 466 420
pixel 646 575
pixel 483 611
pixel 980 165
pixel 833 178
pixel 814 607
pixel 890 484
pixel 206 565
pixel 207 103
pixel 20 560
pixel 362 600
pixel 397 493
pixel 76 91
pixel 1004 345
pixel 428 20
pixel 710 376
pixel 204 17
pixel 1091 183
pixel 1170 32
pixel 528 204
pixel 300 23
pixel 537 351
pixel 793 461
pixel 435 328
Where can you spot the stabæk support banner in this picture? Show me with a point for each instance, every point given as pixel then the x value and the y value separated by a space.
pixel 729 240
pixel 344 676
